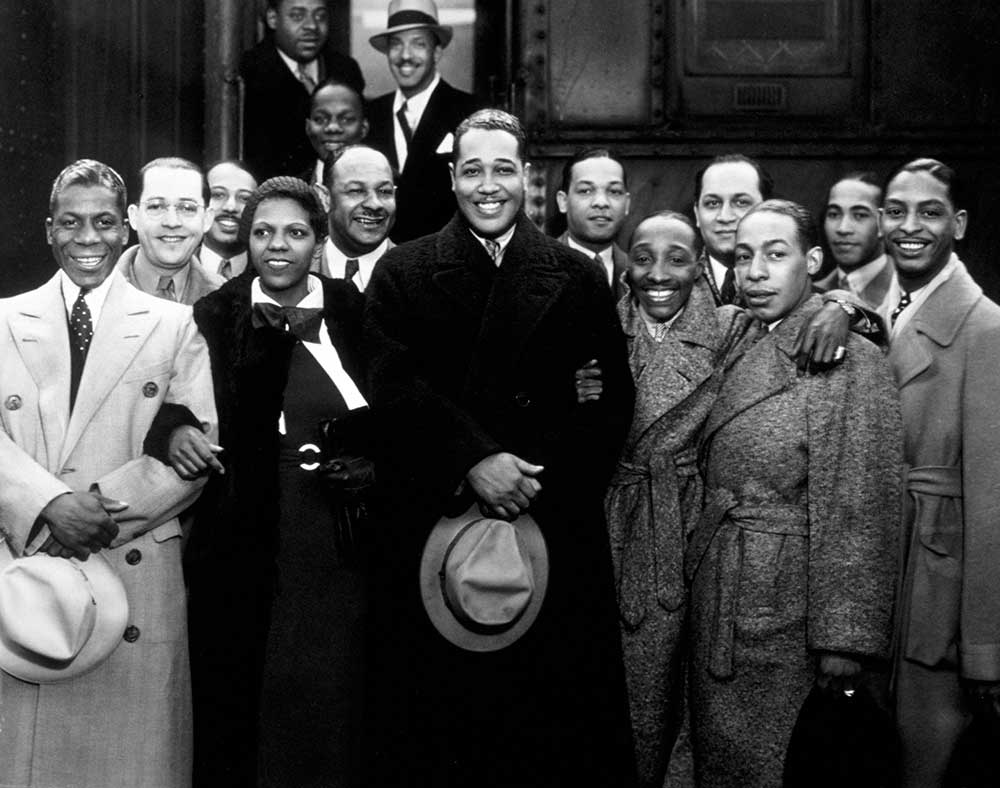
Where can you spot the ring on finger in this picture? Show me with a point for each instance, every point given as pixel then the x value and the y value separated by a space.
pixel 839 353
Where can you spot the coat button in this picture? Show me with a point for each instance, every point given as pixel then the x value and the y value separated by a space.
pixel 131 634
pixel 13 402
pixel 522 400
pixel 133 557
pixel 150 389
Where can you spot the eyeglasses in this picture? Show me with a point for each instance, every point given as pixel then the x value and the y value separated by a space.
pixel 185 209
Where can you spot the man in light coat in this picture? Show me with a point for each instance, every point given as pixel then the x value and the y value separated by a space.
pixel 944 342
pixel 87 362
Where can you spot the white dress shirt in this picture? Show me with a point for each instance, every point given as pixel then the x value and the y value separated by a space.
pixel 334 263
pixel 212 261
pixel 311 68
pixel 606 254
pixel 415 106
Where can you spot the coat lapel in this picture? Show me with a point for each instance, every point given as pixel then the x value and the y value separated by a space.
pixel 936 323
pixel 430 131
pixel 41 335
pixel 124 326
pixel 764 370
pixel 466 271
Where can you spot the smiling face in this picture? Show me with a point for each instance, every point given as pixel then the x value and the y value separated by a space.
pixel 772 267
pixel 300 27
pixel 281 248
pixel 663 266
pixel 87 233
pixel 229 189
pixel 362 201
pixel 170 218
pixel 728 191
pixel 336 120
pixel 597 202
pixel 851 223
pixel 413 57
pixel 488 178
pixel 920 225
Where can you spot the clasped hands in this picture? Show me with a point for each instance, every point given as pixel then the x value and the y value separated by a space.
pixel 81 523
pixel 505 485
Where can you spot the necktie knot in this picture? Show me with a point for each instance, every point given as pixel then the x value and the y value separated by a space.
pixel 492 248
pixel 303 322
pixel 351 267
pixel 226 268
pixel 165 288
pixel 305 79
pixel 904 301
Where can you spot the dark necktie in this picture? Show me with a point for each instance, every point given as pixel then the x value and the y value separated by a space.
pixel 165 288
pixel 404 124
pixel 728 290
pixel 303 322
pixel 307 81
pixel 350 268
pixel 904 301
pixel 492 248
pixel 81 331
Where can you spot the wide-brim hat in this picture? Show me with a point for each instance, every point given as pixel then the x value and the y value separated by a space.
pixel 59 618
pixel 483 580
pixel 410 15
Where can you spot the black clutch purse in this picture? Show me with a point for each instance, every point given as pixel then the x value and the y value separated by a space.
pixel 348 477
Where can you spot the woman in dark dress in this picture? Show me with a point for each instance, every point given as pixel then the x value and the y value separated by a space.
pixel 277 603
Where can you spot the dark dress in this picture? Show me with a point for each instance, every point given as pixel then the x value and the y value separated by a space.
pixel 311 698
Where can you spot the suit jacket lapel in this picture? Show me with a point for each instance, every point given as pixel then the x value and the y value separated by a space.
pixel 41 334
pixel 122 329
pixel 430 130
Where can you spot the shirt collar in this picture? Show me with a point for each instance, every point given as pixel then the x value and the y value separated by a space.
pixel 417 103
pixel 335 261
pixel 861 277
pixel 917 297
pixel 94 298
pixel 147 275
pixel 312 299
pixel 212 260
pixel 605 253
pixel 311 68
pixel 503 240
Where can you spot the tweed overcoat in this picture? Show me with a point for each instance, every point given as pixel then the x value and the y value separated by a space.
pixel 128 722
pixel 468 360
pixel 944 362
pixel 796 549
pixel 653 501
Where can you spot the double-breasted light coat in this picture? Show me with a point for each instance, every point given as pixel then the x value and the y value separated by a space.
pixel 128 722
pixel 796 549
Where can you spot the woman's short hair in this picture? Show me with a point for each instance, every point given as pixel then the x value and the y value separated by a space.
pixel 284 187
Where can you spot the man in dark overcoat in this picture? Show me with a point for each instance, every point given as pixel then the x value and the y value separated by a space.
pixel 474 334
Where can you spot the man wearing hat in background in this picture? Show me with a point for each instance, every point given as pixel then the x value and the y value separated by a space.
pixel 279 76
pixel 414 125
pixel 474 335
pixel 87 362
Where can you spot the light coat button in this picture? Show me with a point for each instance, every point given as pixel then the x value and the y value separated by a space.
pixel 13 402
pixel 150 389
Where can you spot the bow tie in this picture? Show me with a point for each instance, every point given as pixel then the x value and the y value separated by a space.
pixel 303 322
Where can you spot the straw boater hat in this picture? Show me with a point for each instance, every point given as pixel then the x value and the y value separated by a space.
pixel 483 580
pixel 59 618
pixel 410 15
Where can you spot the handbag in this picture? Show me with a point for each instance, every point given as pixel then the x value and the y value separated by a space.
pixel 348 477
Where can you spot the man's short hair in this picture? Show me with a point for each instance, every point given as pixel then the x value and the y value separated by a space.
pixel 805 224
pixel 238 163
pixel 288 188
pixel 174 163
pixel 357 145
pixel 88 172
pixel 765 183
pixel 340 82
pixel 590 153
pixel 936 169
pixel 491 120
pixel 683 218
pixel 862 176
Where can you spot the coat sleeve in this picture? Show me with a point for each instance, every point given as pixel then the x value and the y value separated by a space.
pixel 153 491
pixel 25 489
pixel 855 460
pixel 979 647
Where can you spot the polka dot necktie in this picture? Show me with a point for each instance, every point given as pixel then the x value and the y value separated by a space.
pixel 904 301
pixel 81 324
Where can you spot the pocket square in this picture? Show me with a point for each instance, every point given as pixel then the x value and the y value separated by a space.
pixel 446 144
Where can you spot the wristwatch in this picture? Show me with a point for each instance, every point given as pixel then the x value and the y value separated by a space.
pixel 849 308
